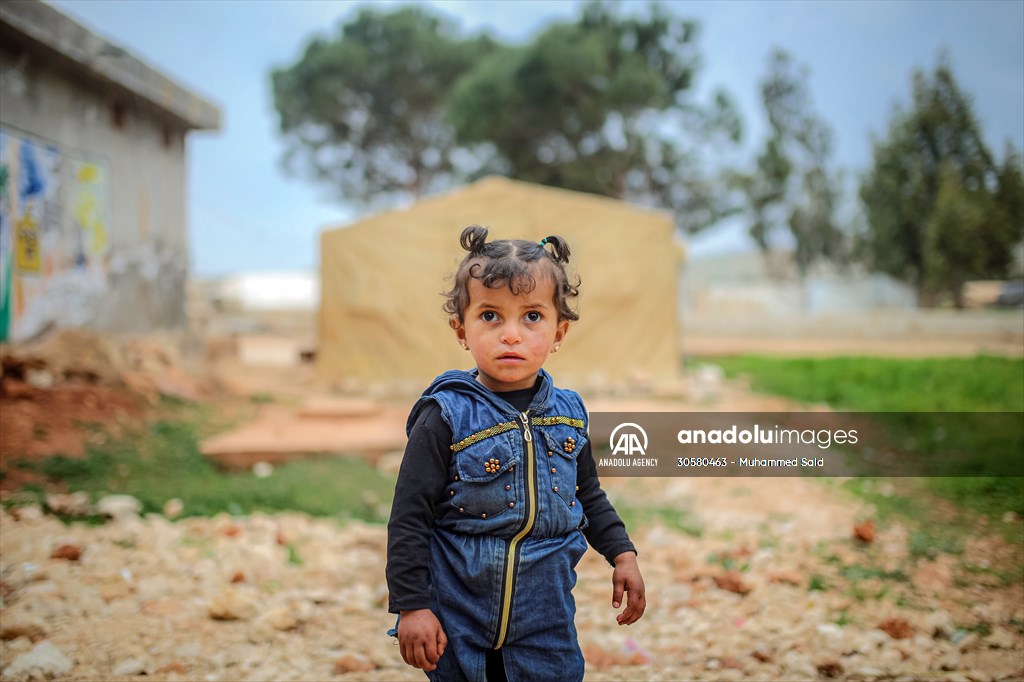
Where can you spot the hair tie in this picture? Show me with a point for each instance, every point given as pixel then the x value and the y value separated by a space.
pixel 544 241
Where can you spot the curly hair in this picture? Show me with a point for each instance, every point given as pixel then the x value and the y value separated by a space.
pixel 511 263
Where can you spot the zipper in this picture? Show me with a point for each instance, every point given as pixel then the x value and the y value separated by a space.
pixel 530 499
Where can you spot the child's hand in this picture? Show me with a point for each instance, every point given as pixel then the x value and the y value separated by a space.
pixel 626 578
pixel 421 638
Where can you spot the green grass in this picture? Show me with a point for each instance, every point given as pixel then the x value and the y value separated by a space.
pixel 728 562
pixel 866 384
pixel 818 583
pixel 855 572
pixel 965 445
pixel 638 516
pixel 161 460
pixel 636 509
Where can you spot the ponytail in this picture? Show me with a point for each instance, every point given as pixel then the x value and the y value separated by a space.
pixel 559 248
pixel 474 239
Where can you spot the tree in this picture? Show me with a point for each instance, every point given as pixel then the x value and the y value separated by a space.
pixel 600 105
pixel 365 112
pixel 792 188
pixel 953 232
pixel 1009 208
pixel 939 211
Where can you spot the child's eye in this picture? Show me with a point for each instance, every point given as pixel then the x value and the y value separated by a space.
pixel 489 316
pixel 533 316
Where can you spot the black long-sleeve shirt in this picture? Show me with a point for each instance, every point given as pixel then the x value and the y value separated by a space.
pixel 420 494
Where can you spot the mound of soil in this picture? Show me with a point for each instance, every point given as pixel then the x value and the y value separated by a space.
pixel 76 385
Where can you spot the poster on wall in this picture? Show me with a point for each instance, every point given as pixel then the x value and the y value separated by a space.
pixel 6 250
pixel 54 227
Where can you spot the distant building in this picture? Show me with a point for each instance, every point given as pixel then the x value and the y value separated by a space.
pixel 267 291
pixel 750 283
pixel 92 180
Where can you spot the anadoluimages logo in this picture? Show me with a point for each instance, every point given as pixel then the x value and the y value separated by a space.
pixel 628 439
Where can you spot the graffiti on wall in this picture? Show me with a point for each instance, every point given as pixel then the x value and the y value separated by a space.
pixel 54 236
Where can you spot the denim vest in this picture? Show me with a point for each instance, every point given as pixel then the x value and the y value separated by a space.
pixel 505 545
pixel 510 473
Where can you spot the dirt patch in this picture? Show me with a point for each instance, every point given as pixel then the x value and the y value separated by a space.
pixel 76 386
pixel 38 423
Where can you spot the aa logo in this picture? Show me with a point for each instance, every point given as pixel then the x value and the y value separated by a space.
pixel 628 439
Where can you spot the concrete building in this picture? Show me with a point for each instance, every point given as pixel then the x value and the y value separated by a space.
pixel 749 284
pixel 93 225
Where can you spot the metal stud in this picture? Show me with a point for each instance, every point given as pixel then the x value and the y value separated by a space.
pixel 550 453
pixel 451 493
pixel 573 503
pixel 461 510
pixel 483 516
pixel 511 504
pixel 554 470
pixel 556 488
pixel 508 487
pixel 569 445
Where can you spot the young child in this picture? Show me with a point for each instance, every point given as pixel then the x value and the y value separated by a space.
pixel 498 493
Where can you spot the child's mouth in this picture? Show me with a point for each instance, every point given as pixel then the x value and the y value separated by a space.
pixel 510 358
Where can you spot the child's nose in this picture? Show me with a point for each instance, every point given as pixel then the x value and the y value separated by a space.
pixel 511 333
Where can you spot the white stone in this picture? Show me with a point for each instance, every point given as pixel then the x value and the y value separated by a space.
pixel 45 660
pixel 173 508
pixel 119 506
pixel 232 604
pixel 798 665
pixel 188 650
pixel 39 378
pixel 30 512
pixel 939 624
pixel 830 630
pixel 1000 639
pixel 949 661
pixel 131 666
pixel 74 504
pixel 262 469
pixel 870 671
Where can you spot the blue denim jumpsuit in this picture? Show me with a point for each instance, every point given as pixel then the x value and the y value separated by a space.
pixel 504 552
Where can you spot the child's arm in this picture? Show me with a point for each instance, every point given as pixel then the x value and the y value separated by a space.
pixel 607 534
pixel 421 483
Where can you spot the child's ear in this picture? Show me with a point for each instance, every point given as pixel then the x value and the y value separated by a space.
pixel 561 330
pixel 460 331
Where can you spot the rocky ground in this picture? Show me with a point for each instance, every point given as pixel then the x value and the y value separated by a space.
pixel 789 579
pixel 761 595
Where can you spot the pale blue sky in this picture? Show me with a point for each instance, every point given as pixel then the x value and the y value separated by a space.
pixel 246 215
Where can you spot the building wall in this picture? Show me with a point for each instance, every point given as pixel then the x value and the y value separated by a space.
pixel 745 284
pixel 93 228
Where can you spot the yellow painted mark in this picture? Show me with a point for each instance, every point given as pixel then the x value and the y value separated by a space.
pixel 26 237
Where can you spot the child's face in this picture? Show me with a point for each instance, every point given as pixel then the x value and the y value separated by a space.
pixel 511 335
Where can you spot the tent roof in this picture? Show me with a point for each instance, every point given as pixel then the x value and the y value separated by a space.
pixel 530 206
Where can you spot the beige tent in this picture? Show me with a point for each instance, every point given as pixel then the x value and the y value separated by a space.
pixel 381 278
